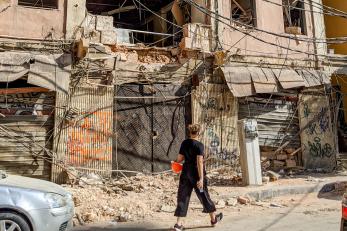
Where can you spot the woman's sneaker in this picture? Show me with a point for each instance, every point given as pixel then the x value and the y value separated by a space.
pixel 178 227
pixel 218 218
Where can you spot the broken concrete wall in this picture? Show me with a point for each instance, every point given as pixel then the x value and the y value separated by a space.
pixel 30 22
pixel 100 29
pixel 268 17
pixel 75 17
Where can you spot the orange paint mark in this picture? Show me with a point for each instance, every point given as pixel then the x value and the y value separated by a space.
pixel 92 143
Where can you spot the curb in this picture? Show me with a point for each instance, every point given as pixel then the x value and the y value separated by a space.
pixel 284 191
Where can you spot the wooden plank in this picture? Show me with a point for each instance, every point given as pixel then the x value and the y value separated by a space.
pixel 23 90
pixel 119 10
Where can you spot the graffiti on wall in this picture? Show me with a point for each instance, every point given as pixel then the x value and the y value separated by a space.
pixel 216 111
pixel 27 104
pixel 317 138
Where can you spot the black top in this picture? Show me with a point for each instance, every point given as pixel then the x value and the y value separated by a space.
pixel 190 149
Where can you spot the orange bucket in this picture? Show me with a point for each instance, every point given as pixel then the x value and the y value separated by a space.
pixel 176 167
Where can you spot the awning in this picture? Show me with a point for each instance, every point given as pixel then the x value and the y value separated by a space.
pixel 239 80
pixel 264 80
pixel 13 65
pixel 47 71
pixel 314 78
pixel 244 80
pixel 51 72
pixel 289 78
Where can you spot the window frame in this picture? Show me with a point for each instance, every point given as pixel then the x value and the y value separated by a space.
pixel 304 29
pixel 254 15
pixel 38 6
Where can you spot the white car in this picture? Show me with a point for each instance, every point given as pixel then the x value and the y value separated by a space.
pixel 28 204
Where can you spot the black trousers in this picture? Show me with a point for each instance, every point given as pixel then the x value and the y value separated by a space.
pixel 185 189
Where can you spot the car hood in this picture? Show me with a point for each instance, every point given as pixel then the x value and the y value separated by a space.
pixel 31 183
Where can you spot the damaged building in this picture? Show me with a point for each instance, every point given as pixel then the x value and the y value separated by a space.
pixel 110 86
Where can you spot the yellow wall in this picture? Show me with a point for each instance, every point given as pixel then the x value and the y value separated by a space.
pixel 336 26
pixel 341 80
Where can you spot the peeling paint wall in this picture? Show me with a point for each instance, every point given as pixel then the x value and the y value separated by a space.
pixel 31 23
pixel 268 17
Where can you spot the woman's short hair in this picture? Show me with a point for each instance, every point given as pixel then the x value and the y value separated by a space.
pixel 194 129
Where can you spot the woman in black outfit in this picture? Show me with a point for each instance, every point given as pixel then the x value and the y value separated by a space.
pixel 193 176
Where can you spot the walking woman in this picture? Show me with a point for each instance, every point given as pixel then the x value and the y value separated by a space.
pixel 193 176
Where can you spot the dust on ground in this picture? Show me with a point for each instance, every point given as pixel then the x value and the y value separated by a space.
pixel 143 197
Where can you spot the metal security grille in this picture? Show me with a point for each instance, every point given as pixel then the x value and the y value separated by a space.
pixel 26 133
pixel 215 109
pixel 150 126
pixel 277 120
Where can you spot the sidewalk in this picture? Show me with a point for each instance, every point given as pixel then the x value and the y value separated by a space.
pixel 284 186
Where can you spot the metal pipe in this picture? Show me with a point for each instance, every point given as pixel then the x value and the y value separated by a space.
pixel 149 32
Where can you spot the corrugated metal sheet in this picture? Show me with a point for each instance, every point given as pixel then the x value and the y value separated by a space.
pixel 314 78
pixel 245 80
pixel 289 78
pixel 22 142
pixel 26 131
pixel 277 120
pixel 239 80
pixel 264 80
pixel 13 65
pixel 215 109
pixel 85 138
pixel 51 72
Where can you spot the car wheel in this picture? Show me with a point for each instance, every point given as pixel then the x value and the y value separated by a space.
pixel 13 222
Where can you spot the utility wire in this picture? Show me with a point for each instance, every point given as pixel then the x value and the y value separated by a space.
pixel 208 12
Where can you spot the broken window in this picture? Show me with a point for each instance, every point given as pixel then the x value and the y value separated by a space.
pixel 243 11
pixel 52 4
pixel 294 17
pixel 148 21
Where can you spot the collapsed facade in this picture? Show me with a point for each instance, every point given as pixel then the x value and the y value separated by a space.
pixel 109 86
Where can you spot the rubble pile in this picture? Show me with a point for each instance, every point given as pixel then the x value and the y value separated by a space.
pixel 122 200
pixel 286 158
pixel 134 198
pixel 224 177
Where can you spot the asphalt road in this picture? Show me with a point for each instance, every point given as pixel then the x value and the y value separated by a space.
pixel 300 212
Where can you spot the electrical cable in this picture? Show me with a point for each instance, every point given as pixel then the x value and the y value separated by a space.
pixel 251 35
pixel 249 27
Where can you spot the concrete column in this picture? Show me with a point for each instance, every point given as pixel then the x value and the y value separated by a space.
pixel 197 15
pixel 75 14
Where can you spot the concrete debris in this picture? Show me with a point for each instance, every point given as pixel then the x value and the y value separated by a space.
pixel 275 205
pixel 243 200
pixel 89 217
pixel 273 176
pixel 118 200
pixel 225 177
pixel 220 204
pixel 260 204
pixel 231 202
pixel 123 217
pixel 90 179
pixel 312 179
pixel 168 209
pixel 266 179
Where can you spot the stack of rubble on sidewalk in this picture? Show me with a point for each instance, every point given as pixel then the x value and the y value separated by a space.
pixel 132 198
pixel 225 176
pixel 277 159
pixel 122 200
